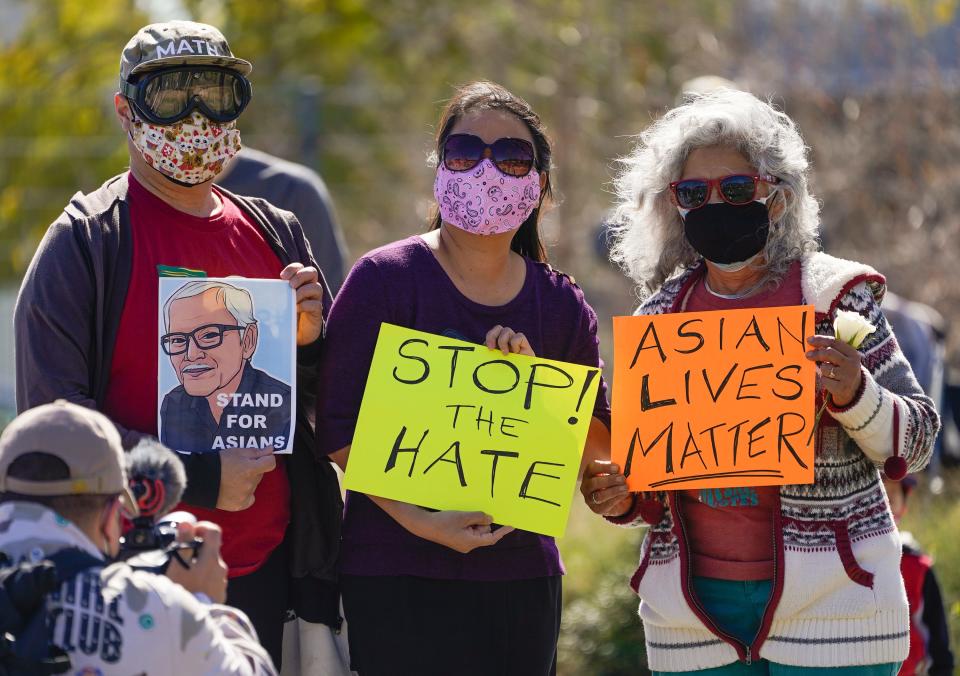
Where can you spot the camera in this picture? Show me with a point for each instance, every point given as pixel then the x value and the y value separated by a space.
pixel 157 480
pixel 152 546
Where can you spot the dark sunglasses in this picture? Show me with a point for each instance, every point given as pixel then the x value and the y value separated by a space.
pixel 512 156
pixel 205 337
pixel 167 96
pixel 693 193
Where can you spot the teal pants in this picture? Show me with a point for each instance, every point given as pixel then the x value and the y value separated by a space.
pixel 738 608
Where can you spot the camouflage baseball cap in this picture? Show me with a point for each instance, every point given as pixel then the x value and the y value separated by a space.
pixel 82 438
pixel 178 43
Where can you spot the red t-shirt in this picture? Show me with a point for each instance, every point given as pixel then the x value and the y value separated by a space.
pixel 731 529
pixel 914 568
pixel 227 243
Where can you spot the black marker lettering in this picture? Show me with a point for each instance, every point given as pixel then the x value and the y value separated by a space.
pixel 782 436
pixel 456 350
pixel 645 403
pixel 456 411
pixel 651 330
pixel 744 385
pixel 533 382
pixel 426 365
pixel 586 385
pixel 635 440
pixel 781 329
pixel 736 438
pixel 476 376
pixel 496 458
pixel 525 486
pixel 693 334
pixel 713 442
pixel 751 438
pixel 755 333
pixel 455 447
pixel 726 379
pixel 686 447
pixel 796 395
pixel 504 425
pixel 397 449
pixel 489 421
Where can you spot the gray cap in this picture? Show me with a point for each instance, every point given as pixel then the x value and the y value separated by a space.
pixel 178 43
pixel 82 438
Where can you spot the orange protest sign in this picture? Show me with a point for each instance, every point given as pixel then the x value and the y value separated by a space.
pixel 714 399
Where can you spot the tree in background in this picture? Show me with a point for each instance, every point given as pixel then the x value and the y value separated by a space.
pixel 353 87
pixel 59 135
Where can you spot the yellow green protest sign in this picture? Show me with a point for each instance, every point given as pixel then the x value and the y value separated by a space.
pixel 448 424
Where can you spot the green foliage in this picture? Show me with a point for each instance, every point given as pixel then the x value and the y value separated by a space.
pixel 56 112
pixel 601 634
pixel 350 86
pixel 927 14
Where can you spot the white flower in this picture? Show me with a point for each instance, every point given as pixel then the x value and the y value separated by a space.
pixel 852 328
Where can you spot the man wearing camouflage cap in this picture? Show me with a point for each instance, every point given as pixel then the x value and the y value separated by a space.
pixel 63 486
pixel 86 318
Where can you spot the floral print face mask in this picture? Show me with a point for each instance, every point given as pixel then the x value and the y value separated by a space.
pixel 485 201
pixel 188 152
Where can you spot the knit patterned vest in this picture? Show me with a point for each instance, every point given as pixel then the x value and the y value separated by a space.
pixel 838 598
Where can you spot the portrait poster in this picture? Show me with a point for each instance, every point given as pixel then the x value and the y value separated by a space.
pixel 448 424
pixel 226 364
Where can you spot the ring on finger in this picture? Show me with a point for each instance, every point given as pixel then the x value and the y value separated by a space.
pixel 593 498
pixel 832 374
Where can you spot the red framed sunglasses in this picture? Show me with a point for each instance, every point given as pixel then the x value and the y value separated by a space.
pixel 737 189
pixel 512 156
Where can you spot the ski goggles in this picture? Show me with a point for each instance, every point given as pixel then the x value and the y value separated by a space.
pixel 512 156
pixel 170 95
pixel 737 189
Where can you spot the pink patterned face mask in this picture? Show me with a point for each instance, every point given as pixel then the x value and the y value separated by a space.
pixel 191 151
pixel 485 201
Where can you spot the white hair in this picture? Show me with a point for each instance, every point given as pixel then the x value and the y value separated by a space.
pixel 648 238
pixel 237 301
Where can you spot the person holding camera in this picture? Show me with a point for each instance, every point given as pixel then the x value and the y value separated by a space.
pixel 63 487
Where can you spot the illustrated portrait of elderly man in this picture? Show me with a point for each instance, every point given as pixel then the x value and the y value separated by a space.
pixel 210 335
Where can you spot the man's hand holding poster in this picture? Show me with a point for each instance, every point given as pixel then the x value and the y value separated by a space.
pixel 227 364
pixel 714 399
pixel 448 424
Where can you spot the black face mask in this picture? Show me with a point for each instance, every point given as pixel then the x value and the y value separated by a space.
pixel 728 233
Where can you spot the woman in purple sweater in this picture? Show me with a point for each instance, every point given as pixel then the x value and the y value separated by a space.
pixel 447 592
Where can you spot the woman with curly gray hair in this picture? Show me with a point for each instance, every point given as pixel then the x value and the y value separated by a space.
pixel 715 214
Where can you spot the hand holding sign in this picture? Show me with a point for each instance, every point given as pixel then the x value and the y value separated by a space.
pixel 241 470
pixel 449 425
pixel 604 489
pixel 507 340
pixel 461 531
pixel 306 282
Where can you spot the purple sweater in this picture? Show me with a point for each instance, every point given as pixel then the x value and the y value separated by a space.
pixel 403 283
